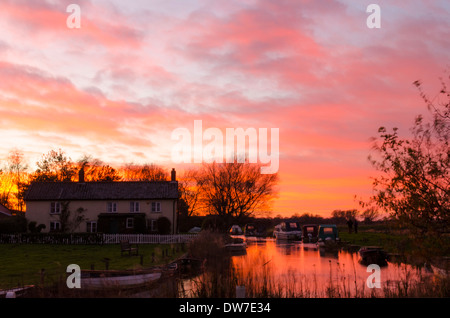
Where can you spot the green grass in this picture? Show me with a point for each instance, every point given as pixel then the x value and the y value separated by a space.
pixel 22 263
pixel 397 241
pixel 393 243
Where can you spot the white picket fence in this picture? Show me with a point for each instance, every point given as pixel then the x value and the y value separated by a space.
pixel 94 238
pixel 147 238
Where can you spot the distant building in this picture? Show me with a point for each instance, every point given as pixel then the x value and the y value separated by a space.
pixel 108 207
pixel 4 211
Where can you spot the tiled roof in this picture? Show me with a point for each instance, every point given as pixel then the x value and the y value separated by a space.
pixel 66 191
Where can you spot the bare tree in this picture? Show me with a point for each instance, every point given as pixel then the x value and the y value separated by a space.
pixel 13 179
pixel 235 190
pixel 189 195
pixel 370 214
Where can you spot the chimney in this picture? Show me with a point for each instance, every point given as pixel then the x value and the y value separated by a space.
pixel 173 175
pixel 81 175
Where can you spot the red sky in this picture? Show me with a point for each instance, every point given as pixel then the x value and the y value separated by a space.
pixel 117 87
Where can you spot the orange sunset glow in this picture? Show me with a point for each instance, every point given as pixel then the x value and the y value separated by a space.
pixel 134 71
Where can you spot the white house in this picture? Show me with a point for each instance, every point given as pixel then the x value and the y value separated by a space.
pixel 108 207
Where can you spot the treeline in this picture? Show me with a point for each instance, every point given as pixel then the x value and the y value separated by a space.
pixel 232 191
pixel 338 217
pixel 56 166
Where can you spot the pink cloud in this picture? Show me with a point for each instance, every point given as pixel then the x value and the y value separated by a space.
pixel 125 80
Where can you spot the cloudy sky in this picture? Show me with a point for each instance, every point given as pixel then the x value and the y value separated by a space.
pixel 136 70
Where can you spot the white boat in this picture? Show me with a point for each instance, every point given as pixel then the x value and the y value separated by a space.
pixel 15 292
pixel 117 279
pixel 288 231
pixel 236 230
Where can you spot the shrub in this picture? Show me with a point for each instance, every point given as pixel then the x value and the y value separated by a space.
pixel 13 224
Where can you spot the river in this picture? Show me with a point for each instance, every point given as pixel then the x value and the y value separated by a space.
pixel 293 269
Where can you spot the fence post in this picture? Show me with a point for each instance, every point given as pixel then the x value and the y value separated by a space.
pixel 240 291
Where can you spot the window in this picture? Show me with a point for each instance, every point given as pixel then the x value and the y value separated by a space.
pixel 134 206
pixel 55 207
pixel 91 227
pixel 130 223
pixel 55 226
pixel 112 207
pixel 156 206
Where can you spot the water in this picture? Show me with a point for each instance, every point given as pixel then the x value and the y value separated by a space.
pixel 294 269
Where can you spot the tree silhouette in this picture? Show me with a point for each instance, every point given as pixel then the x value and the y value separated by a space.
pixel 234 191
pixel 415 183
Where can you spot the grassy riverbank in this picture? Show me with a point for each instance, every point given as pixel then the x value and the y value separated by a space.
pixel 22 264
pixel 416 250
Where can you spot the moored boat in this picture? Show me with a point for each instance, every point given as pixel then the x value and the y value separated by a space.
pixel 98 279
pixel 310 233
pixel 16 292
pixel 373 255
pixel 328 235
pixel 252 230
pixel 236 230
pixel 289 230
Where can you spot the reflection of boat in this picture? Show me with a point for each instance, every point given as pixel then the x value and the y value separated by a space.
pixel 252 230
pixel 122 279
pixel 237 246
pixel 255 240
pixel 310 233
pixel 373 255
pixel 309 246
pixel 328 235
pixel 288 231
pixel 236 230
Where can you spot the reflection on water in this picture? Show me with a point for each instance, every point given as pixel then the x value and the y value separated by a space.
pixel 294 269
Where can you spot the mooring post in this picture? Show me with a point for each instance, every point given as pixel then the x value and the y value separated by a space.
pixel 106 260
pixel 240 291
pixel 42 275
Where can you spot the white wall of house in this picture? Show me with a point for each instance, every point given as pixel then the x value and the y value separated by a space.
pixel 41 211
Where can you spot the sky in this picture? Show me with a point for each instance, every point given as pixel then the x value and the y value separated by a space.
pixel 118 86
